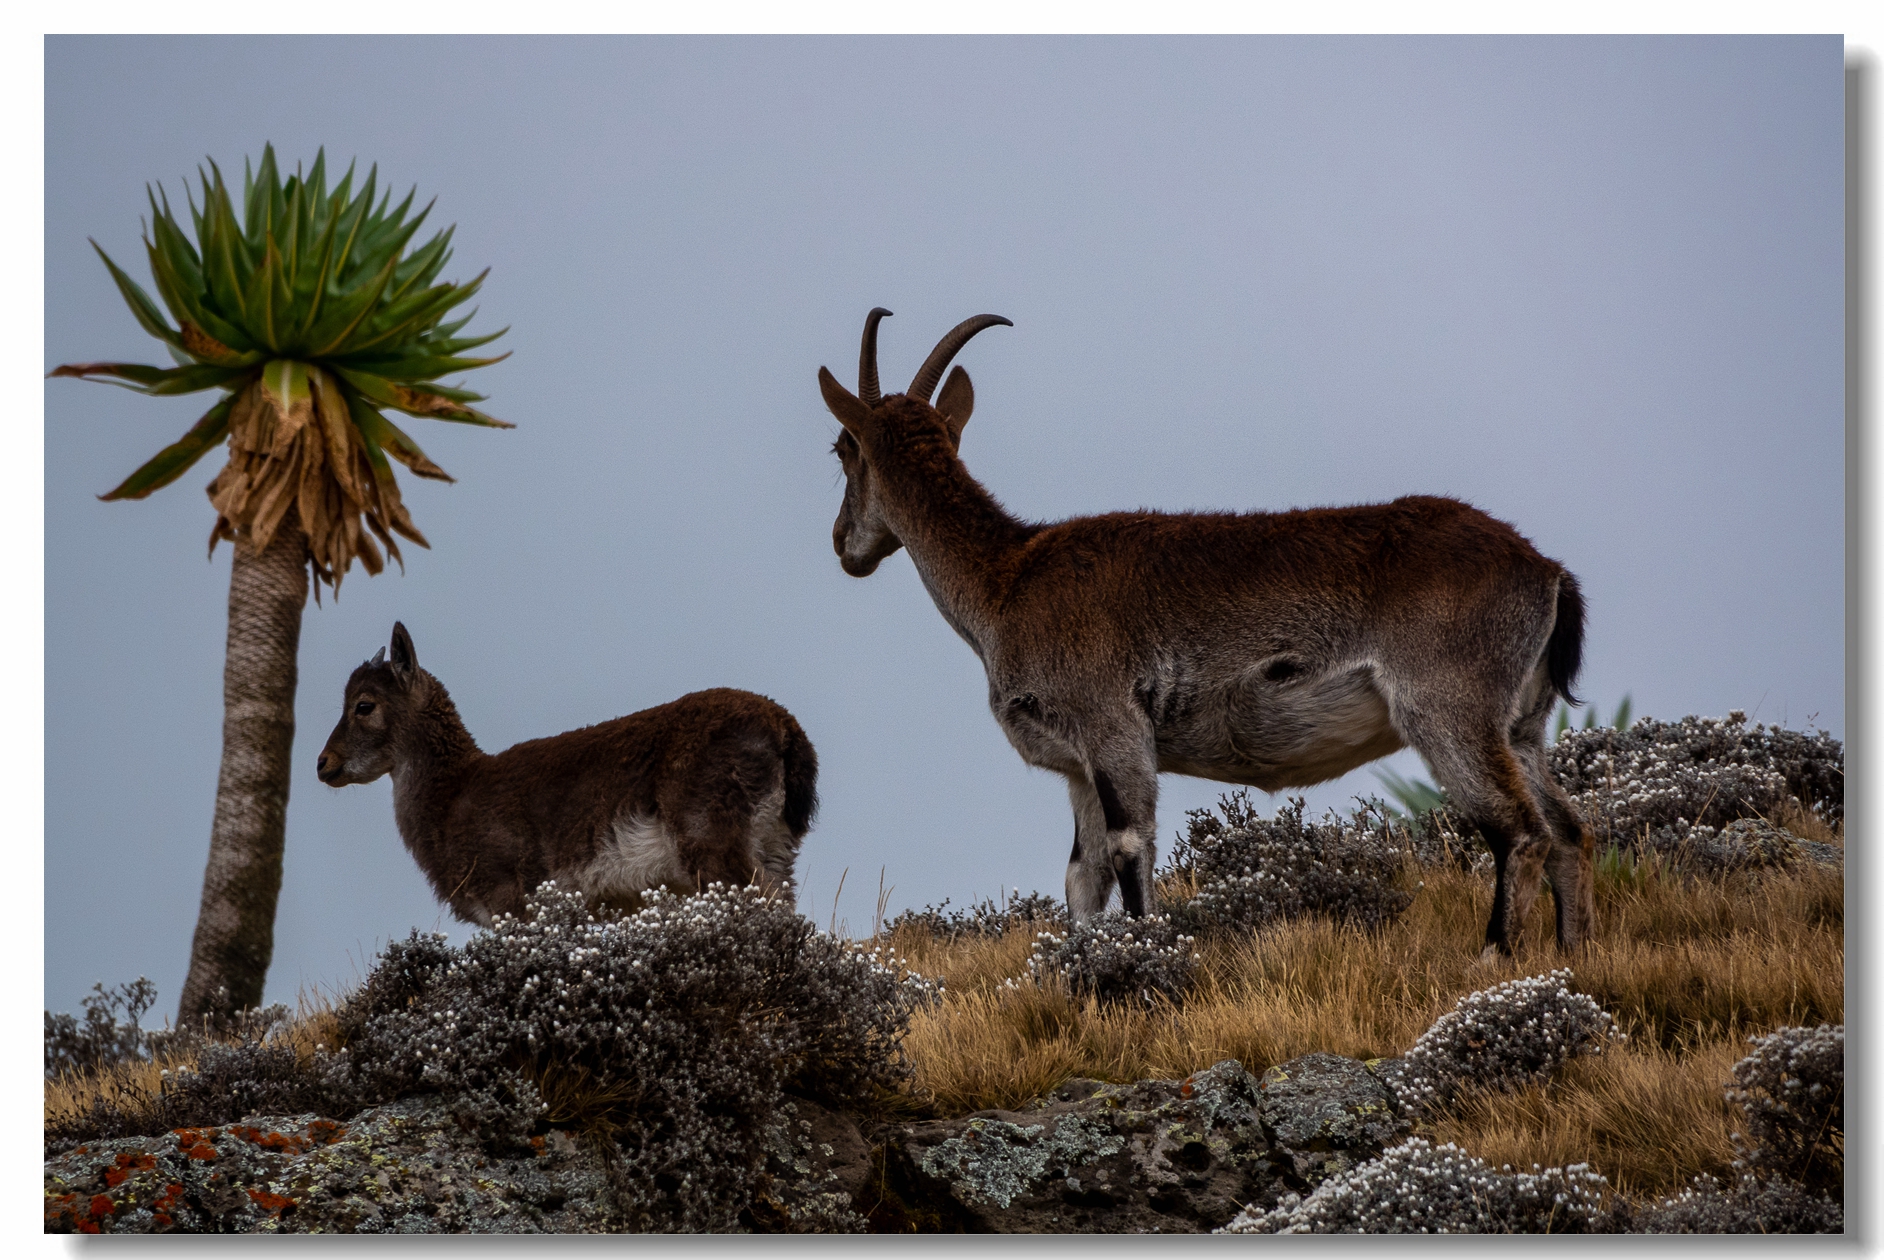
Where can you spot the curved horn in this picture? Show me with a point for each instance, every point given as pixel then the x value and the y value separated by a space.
pixel 867 359
pixel 945 349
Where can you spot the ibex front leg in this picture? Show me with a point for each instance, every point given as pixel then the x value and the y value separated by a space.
pixel 1115 812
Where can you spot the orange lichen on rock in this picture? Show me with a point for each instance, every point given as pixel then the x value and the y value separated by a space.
pixel 126 1164
pixel 195 1142
pixel 326 1132
pixel 269 1200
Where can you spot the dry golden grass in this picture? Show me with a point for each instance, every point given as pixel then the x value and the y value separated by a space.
pixel 124 1084
pixel 1690 967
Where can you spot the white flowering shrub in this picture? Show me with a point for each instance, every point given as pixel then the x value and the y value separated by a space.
pixel 1251 872
pixel 1119 959
pixel 1792 1090
pixel 985 919
pixel 1503 1037
pixel 1742 845
pixel 1419 1188
pixel 1747 1205
pixel 681 1025
pixel 1696 772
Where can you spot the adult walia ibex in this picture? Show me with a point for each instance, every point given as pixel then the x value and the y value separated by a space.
pixel 1270 649
pixel 718 785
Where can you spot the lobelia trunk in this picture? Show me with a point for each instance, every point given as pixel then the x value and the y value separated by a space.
pixel 235 929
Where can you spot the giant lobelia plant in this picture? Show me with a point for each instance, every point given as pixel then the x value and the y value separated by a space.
pixel 311 317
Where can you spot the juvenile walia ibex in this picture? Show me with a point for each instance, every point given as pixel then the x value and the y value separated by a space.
pixel 1270 649
pixel 718 785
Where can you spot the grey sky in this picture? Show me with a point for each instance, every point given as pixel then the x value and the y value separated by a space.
pixel 1594 286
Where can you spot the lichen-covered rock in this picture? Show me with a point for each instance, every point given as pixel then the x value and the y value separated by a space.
pixel 1179 1156
pixel 1328 1113
pixel 402 1168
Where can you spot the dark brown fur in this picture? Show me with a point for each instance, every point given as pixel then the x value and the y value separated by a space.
pixel 723 780
pixel 1272 649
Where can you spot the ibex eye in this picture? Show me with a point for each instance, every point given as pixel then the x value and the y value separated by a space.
pixel 363 708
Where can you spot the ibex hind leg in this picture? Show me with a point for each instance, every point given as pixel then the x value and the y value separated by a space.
pixel 1475 763
pixel 1570 863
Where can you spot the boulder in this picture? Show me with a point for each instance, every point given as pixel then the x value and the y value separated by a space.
pixel 403 1168
pixel 1154 1156
pixel 1176 1156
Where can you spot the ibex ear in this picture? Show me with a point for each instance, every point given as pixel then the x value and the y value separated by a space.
pixel 405 662
pixel 956 403
pixel 846 406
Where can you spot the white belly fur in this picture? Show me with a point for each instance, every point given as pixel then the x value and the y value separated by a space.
pixel 637 854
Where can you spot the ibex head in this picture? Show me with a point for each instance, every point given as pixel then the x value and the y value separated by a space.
pixel 380 697
pixel 873 424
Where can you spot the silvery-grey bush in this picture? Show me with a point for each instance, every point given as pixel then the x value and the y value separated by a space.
pixel 693 1015
pixel 1419 1188
pixel 1698 772
pixel 986 918
pixel 1789 1178
pixel 1792 1091
pixel 1118 959
pixel 1746 1205
pixel 1251 872
pixel 1502 1038
pixel 110 1032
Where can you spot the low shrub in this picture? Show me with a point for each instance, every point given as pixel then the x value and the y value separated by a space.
pixel 1792 1090
pixel 1747 1206
pixel 1698 772
pixel 1251 872
pixel 109 1033
pixel 1745 844
pixel 1118 959
pixel 1502 1037
pixel 670 1036
pixel 1419 1188
pixel 984 920
pixel 245 1068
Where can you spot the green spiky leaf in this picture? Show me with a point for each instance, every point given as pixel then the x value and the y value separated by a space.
pixel 175 460
pixel 292 276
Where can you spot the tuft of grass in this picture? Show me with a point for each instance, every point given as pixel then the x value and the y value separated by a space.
pixel 133 1086
pixel 1635 1113
pixel 1690 966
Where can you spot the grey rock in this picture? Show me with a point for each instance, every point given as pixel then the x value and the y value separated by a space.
pixel 1154 1156
pixel 1329 1113
pixel 1178 1156
pixel 1821 854
pixel 401 1168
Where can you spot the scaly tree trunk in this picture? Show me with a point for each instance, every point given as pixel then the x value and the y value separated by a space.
pixel 235 929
